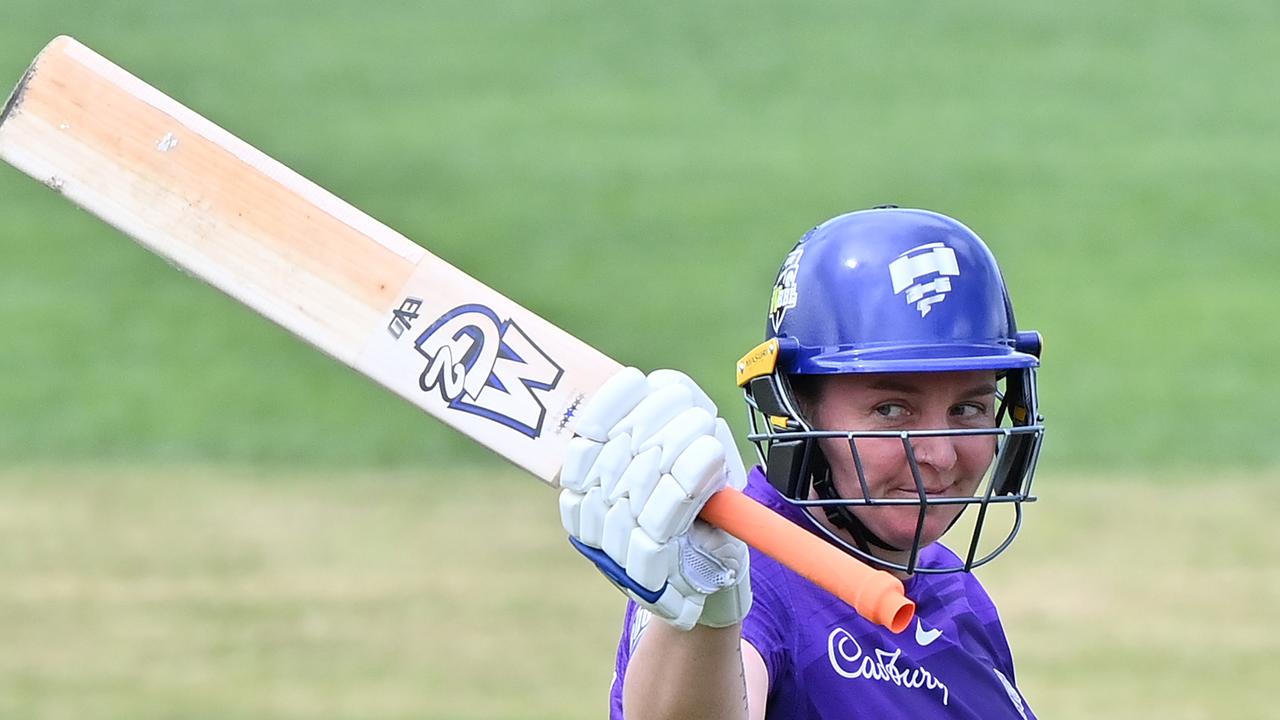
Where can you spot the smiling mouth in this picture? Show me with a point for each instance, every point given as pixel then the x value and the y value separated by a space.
pixel 912 492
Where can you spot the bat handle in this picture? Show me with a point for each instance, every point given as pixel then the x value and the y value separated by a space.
pixel 875 594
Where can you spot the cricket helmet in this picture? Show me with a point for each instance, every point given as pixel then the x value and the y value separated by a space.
pixel 892 290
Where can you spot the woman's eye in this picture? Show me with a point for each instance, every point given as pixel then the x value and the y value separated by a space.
pixel 969 410
pixel 890 410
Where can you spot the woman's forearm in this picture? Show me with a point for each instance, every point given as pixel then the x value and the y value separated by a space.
pixel 696 675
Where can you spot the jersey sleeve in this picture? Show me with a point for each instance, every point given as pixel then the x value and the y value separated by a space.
pixel 766 625
pixel 632 625
pixel 993 626
pixel 1003 655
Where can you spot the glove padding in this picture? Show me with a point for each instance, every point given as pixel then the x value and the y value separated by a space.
pixel 648 454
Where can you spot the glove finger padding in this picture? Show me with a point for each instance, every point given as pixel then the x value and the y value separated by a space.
pixel 649 562
pixel 579 456
pixel 664 377
pixel 735 470
pixel 570 511
pixel 611 464
pixel 652 414
pixel 618 525
pixel 639 479
pixel 700 469
pixel 591 514
pixel 680 611
pixel 668 511
pixel 649 455
pixel 613 401
pixel 680 494
pixel 678 434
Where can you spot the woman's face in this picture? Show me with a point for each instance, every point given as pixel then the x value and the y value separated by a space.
pixel 949 466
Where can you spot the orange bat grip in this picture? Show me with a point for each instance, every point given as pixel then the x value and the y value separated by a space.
pixel 875 594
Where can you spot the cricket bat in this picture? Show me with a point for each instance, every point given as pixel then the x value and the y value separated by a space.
pixel 227 214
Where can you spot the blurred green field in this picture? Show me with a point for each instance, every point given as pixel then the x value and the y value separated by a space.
pixel 202 518
pixel 166 592
pixel 636 174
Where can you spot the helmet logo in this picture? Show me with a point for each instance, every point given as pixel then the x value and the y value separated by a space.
pixel 924 272
pixel 784 288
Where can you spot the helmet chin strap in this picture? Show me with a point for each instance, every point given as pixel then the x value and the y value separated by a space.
pixel 839 515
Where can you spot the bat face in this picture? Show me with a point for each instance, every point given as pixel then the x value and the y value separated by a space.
pixel 344 282
pixel 226 213
pixel 486 366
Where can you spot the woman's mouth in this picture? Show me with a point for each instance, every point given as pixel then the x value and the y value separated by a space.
pixel 937 490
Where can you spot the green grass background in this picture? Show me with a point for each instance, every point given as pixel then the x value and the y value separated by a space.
pixel 204 518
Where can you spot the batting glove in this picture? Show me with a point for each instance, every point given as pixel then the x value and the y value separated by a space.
pixel 648 454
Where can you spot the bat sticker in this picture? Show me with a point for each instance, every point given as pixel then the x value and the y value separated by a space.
pixel 486 366
pixel 402 317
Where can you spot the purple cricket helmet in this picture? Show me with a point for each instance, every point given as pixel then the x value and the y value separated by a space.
pixel 891 290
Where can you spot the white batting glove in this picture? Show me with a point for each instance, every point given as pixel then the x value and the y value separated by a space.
pixel 648 454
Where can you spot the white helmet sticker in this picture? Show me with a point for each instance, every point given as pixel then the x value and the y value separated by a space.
pixel 910 269
pixel 784 288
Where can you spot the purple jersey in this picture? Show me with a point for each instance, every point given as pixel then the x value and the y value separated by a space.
pixel 826 661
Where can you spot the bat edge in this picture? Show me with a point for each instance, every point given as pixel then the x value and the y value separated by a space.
pixel 14 101
pixel 13 104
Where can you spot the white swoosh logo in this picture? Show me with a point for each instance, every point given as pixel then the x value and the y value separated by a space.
pixel 924 638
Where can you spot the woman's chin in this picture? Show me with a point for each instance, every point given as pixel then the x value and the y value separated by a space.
pixel 899 530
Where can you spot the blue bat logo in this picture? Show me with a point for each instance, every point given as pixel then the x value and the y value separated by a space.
pixel 488 367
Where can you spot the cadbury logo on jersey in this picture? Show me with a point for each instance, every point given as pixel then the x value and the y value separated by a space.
pixel 849 661
pixel 924 273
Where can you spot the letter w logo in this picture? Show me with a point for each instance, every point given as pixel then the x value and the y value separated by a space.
pixel 487 367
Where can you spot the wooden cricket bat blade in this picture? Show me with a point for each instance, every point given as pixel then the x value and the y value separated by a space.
pixel 226 213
